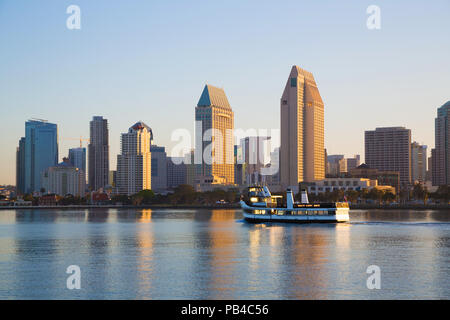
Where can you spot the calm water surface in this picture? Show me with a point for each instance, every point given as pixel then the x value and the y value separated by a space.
pixel 214 254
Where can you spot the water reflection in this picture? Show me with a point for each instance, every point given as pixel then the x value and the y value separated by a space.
pixel 213 254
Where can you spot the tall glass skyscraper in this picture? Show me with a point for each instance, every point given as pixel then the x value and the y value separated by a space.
pixel 41 152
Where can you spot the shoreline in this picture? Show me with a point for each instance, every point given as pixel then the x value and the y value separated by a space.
pixel 228 206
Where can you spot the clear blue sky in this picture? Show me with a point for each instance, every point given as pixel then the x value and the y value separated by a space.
pixel 149 60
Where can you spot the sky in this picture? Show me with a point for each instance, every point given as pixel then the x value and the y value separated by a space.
pixel 149 61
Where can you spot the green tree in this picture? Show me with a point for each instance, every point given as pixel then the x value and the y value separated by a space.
pixel 145 196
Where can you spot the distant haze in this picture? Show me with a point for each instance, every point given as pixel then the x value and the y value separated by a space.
pixel 149 61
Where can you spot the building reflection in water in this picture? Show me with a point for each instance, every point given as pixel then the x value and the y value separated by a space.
pixel 145 243
pixel 217 255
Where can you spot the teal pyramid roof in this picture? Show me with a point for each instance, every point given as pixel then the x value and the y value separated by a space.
pixel 213 96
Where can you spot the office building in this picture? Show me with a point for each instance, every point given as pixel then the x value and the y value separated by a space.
pixel 441 151
pixel 20 167
pixel 176 172
pixel 214 135
pixel 64 179
pixel 302 130
pixel 389 149
pixel 41 152
pixel 418 162
pixel 134 162
pixel 98 154
pixel 159 168
pixel 77 157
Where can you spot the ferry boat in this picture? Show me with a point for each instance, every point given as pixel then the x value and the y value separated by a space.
pixel 260 206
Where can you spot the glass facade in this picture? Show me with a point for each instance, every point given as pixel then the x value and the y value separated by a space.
pixel 41 152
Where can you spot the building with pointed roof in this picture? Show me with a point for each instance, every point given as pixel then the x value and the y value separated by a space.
pixel 302 156
pixel 214 135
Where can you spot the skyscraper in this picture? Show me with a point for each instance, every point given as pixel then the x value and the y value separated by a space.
pixel 98 153
pixel 176 172
pixel 389 149
pixel 134 163
pixel 20 167
pixel 214 134
pixel 302 130
pixel 159 168
pixel 441 152
pixel 418 162
pixel 41 151
pixel 253 150
pixel 77 157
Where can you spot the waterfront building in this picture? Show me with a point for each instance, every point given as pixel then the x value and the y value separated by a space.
pixel 134 161
pixel 302 130
pixel 77 157
pixel 41 151
pixel 389 149
pixel 214 135
pixel 98 154
pixel 441 152
pixel 418 162
pixel 64 179
pixel 20 167
pixel 176 172
pixel 159 168
pixel 384 178
pixel 346 184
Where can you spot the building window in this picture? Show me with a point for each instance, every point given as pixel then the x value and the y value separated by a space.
pixel 293 82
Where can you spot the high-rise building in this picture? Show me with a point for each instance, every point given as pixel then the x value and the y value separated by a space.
pixel 64 179
pixel 274 179
pixel 176 172
pixel 338 166
pixel 389 149
pixel 20 167
pixel 335 165
pixel 353 163
pixel 77 157
pixel 134 162
pixel 302 130
pixel 112 178
pixel 159 168
pixel 41 152
pixel 418 162
pixel 98 153
pixel 214 135
pixel 441 152
pixel 190 167
pixel 253 151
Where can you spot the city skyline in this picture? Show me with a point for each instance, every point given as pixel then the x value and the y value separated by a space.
pixel 350 69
